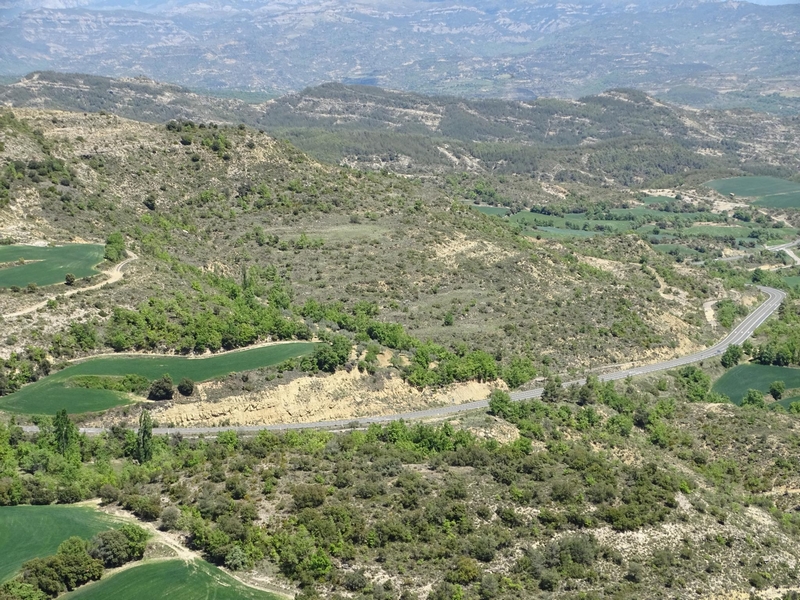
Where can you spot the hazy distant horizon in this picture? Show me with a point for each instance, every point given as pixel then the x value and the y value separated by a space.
pixel 512 49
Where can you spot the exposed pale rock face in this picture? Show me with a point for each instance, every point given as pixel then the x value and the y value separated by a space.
pixel 342 395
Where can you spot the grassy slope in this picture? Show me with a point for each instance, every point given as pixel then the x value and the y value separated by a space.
pixel 52 264
pixel 32 531
pixel 49 395
pixel 171 579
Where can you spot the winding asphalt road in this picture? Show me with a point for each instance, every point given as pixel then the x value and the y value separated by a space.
pixel 743 331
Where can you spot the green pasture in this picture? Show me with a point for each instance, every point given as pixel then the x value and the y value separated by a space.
pixel 754 187
pixel 51 263
pixel 173 579
pixel 717 231
pixel 735 382
pixel 28 532
pixel 52 393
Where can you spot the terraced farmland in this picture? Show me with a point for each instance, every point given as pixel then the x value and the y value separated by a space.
pixel 41 265
pixel 173 579
pixel 52 393
pixel 28 532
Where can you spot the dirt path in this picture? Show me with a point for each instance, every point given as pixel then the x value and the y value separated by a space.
pixel 792 255
pixel 708 309
pixel 114 275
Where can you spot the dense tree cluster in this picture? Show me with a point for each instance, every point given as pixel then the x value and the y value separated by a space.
pixel 77 562
pixel 115 247
pixel 781 345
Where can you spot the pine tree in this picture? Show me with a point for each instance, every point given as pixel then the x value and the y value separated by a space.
pixel 65 431
pixel 144 439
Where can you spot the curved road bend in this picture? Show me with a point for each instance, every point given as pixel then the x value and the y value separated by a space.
pixel 743 331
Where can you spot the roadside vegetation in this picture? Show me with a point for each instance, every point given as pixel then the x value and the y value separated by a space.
pixel 387 511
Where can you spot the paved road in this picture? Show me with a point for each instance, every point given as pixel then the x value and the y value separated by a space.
pixel 778 248
pixel 114 274
pixel 783 246
pixel 743 331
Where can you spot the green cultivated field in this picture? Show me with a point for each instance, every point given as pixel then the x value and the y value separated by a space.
pixel 789 200
pixel 718 231
pixel 52 263
pixel 753 186
pixel 735 383
pixel 769 191
pixel 51 394
pixel 28 532
pixel 173 579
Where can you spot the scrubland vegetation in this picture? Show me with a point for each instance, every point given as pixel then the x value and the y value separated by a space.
pixel 387 511
pixel 556 253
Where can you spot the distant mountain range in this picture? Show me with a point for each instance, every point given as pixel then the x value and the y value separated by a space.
pixel 375 128
pixel 511 49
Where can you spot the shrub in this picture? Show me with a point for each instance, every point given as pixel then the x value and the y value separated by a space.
pixel 490 587
pixel 355 581
pixel 109 493
pixel 776 389
pixel 465 571
pixel 110 547
pixel 186 387
pixel 732 356
pixel 161 389
pixel 308 496
pixel 144 507
pixel 754 398
pixel 137 540
pixel 170 517
pixel 236 559
pixel 115 247
pixel 635 573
